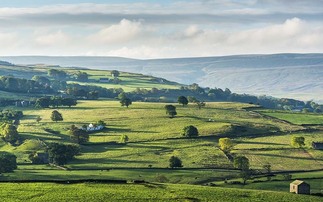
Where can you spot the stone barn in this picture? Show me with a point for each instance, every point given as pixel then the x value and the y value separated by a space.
pixel 317 145
pixel 300 187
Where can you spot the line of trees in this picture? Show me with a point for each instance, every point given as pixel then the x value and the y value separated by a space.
pixel 12 84
pixel 46 102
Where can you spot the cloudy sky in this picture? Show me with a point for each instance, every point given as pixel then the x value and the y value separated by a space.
pixel 158 29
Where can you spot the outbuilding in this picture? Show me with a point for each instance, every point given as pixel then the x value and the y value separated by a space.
pixel 317 145
pixel 300 187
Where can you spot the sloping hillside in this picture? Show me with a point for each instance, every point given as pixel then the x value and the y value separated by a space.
pixel 282 75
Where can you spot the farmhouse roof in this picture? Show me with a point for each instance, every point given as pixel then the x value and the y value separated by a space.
pixel 298 182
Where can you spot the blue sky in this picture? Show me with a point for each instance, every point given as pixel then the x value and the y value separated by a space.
pixel 157 29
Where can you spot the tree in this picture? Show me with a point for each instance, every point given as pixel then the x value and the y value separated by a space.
pixel 43 102
pixel 57 74
pixel 226 144
pixel 298 141
pixel 115 73
pixel 8 162
pixel 267 168
pixel 55 101
pixel 60 154
pixel 200 104
pixel 182 100
pixel 82 76
pixel 175 162
pixel 245 175
pixel 56 116
pixel 122 96
pixel 41 79
pixel 171 110
pixel 68 102
pixel 124 139
pixel 192 99
pixel 38 119
pixel 125 102
pixel 190 131
pixel 78 135
pixel 101 123
pixel 241 162
pixel 9 132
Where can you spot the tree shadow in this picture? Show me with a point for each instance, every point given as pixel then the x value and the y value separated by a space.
pixel 260 143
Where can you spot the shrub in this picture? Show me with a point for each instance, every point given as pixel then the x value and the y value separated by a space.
pixel 190 131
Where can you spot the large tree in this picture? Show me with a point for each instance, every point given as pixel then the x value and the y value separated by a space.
pixel 182 100
pixel 56 116
pixel 82 76
pixel 126 102
pixel 115 73
pixel 60 154
pixel 8 162
pixel 298 141
pixel 78 135
pixel 267 168
pixel 226 144
pixel 175 162
pixel 68 102
pixel 43 102
pixel 190 131
pixel 241 162
pixel 170 110
pixel 9 133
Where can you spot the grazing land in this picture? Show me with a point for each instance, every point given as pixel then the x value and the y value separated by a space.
pixel 263 136
pixel 138 192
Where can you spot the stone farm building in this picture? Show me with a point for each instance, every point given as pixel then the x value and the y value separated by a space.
pixel 317 145
pixel 300 187
pixel 104 80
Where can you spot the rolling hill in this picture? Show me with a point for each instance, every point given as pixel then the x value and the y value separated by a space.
pixel 282 75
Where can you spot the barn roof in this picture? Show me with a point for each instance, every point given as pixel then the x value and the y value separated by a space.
pixel 298 182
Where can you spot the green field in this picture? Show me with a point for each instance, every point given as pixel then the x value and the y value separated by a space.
pixel 262 136
pixel 128 81
pixel 135 192
pixel 297 118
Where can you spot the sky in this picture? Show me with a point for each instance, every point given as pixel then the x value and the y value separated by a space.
pixel 160 29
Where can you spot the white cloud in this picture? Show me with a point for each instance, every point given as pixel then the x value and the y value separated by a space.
pixel 138 39
pixel 52 39
pixel 123 32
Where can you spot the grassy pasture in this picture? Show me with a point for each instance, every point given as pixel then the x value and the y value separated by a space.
pixel 277 151
pixel 129 81
pixel 153 138
pixel 151 133
pixel 296 118
pixel 136 192
pixel 278 183
pixel 182 176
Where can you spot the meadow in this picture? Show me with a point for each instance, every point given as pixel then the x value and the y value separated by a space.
pixel 296 117
pixel 263 136
pixel 138 192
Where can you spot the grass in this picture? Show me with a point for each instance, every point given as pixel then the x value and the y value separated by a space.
pixel 153 137
pixel 138 192
pixel 182 176
pixel 297 118
pixel 277 151
pixel 278 183
pixel 128 81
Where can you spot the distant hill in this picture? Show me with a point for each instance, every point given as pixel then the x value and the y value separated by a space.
pixel 282 75
pixel 5 63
